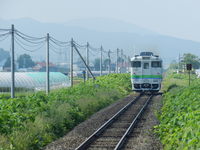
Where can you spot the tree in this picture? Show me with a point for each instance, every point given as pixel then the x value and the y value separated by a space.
pixel 7 63
pixel 97 64
pixel 106 63
pixel 25 61
pixel 120 59
pixel 173 65
pixel 80 63
pixel 3 54
pixel 189 58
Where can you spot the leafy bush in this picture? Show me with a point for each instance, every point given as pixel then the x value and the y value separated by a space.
pixel 180 117
pixel 30 122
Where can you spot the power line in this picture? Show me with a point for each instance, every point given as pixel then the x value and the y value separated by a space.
pixel 4 34
pixel 94 49
pixel 4 37
pixel 60 45
pixel 39 43
pixel 91 52
pixel 61 42
pixel 33 50
pixel 80 46
pixel 54 49
pixel 2 30
pixel 30 37
pixel 30 40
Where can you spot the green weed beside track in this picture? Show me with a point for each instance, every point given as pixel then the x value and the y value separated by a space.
pixel 31 122
pixel 180 116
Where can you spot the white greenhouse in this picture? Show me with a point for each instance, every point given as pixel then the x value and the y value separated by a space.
pixel 34 80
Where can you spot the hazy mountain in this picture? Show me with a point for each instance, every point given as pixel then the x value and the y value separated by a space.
pixel 110 33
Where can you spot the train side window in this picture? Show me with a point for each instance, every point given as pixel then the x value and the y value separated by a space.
pixel 156 64
pixel 146 66
pixel 136 64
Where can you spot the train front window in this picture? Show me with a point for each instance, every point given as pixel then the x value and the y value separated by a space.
pixel 146 66
pixel 136 64
pixel 156 64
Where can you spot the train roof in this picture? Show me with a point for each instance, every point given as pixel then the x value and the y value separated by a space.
pixel 146 56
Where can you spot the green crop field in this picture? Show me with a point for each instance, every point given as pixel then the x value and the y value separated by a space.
pixel 31 122
pixel 179 127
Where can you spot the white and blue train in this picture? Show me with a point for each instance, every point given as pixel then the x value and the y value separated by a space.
pixel 146 72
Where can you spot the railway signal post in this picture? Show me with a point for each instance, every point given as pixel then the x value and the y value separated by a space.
pixel 189 68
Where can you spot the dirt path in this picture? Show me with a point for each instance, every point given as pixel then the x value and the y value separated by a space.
pixel 71 140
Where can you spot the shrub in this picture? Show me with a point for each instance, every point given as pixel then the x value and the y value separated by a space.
pixel 30 122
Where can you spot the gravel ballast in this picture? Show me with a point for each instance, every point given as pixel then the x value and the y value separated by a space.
pixel 75 137
pixel 72 139
pixel 142 137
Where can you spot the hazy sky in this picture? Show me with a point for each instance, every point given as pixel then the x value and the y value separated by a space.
pixel 180 18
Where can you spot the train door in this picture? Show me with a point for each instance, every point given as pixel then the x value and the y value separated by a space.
pixel 145 74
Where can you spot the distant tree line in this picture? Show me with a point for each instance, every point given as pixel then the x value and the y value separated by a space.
pixel 24 61
pixel 187 58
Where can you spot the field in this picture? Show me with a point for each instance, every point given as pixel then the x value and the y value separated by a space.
pixel 180 115
pixel 31 122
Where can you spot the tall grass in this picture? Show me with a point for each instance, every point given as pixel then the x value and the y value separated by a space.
pixel 39 119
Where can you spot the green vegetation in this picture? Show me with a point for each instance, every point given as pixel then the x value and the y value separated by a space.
pixel 3 54
pixel 180 116
pixel 25 61
pixel 31 122
pixel 187 58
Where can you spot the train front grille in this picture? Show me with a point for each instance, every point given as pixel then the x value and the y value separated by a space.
pixel 145 85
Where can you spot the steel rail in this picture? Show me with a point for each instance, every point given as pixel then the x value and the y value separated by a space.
pixel 132 125
pixel 92 138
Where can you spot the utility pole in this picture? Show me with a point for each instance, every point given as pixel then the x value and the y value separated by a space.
pixel 125 62
pixel 87 60
pixel 47 65
pixel 109 69
pixel 128 63
pixel 121 60
pixel 101 51
pixel 12 63
pixel 88 68
pixel 71 63
pixel 179 59
pixel 117 60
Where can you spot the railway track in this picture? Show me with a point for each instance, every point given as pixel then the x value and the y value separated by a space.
pixel 114 133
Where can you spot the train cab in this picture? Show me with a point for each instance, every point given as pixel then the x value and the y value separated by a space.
pixel 146 72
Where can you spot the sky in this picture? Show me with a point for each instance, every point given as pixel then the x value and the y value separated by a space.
pixel 179 18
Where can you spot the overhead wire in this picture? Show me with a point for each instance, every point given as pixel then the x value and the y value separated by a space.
pixel 80 46
pixel 55 40
pixel 30 37
pixel 22 42
pixel 94 49
pixel 30 40
pixel 67 44
pixel 91 52
pixel 22 38
pixel 32 50
pixel 2 30
pixel 4 34
pixel 56 50
pixel 4 37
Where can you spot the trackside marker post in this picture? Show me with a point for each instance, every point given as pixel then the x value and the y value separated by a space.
pixel 189 68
